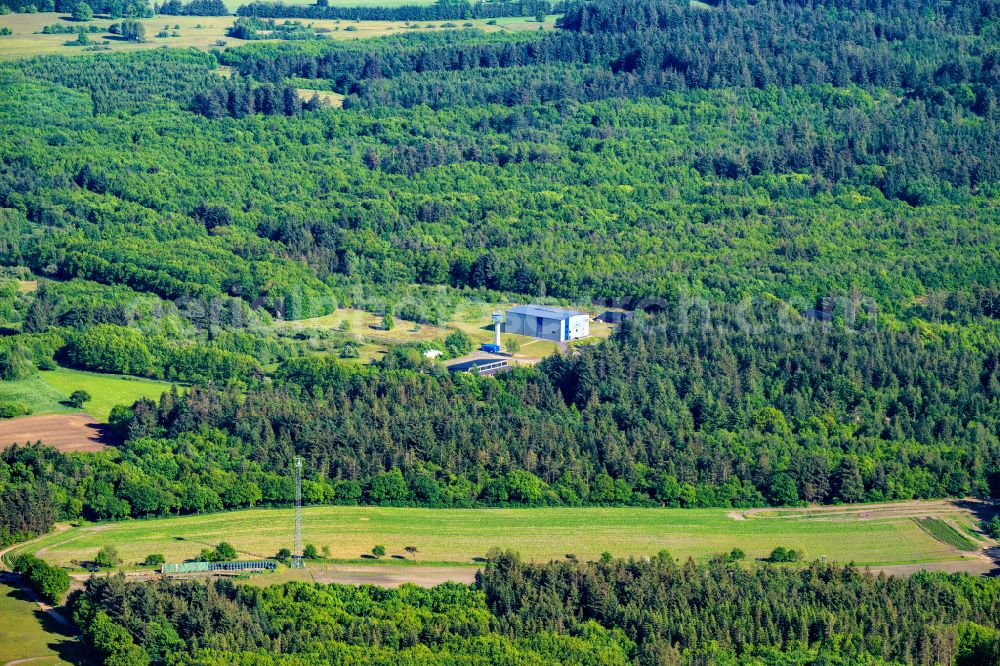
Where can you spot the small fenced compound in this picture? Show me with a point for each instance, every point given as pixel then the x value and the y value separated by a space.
pixel 205 567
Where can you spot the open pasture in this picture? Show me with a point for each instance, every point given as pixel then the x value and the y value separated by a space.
pixel 48 391
pixel 37 394
pixel 27 635
pixel 105 391
pixel 204 32
pixel 461 536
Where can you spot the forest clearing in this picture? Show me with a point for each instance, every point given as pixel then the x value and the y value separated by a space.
pixel 869 535
pixel 207 32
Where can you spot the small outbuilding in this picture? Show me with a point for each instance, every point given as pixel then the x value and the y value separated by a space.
pixel 548 323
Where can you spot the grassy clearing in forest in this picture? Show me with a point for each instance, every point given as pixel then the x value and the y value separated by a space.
pixel 233 5
pixel 331 99
pixel 472 318
pixel 207 32
pixel 105 391
pixel 38 395
pixel 47 392
pixel 461 535
pixel 26 633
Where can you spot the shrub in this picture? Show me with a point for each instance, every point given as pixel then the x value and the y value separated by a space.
pixel 782 554
pixel 10 410
pixel 224 552
pixel 78 397
pixel 992 527
pixel 107 557
pixel 310 552
pixel 154 560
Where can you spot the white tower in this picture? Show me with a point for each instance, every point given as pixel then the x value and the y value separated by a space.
pixel 497 320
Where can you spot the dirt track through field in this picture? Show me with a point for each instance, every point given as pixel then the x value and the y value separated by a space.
pixel 65 432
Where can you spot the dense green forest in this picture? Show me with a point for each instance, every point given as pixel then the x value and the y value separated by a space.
pixel 798 200
pixel 703 414
pixel 727 171
pixel 608 612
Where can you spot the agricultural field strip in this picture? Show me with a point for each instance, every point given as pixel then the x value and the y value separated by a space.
pixel 455 537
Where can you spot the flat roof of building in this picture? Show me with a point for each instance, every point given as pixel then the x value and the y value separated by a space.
pixel 545 312
pixel 482 361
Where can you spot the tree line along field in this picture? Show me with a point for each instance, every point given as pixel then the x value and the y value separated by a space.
pixel 878 536
pixel 206 32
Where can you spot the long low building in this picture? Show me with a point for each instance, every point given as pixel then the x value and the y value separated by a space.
pixel 481 364
pixel 548 323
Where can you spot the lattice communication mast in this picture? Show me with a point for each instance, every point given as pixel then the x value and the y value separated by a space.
pixel 297 549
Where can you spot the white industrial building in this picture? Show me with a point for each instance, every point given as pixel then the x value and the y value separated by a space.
pixel 541 321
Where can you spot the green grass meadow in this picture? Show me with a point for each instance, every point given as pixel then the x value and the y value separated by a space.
pixel 46 392
pixel 106 391
pixel 40 396
pixel 461 535
pixel 28 634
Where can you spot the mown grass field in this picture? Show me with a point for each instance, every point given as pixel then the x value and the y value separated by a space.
pixel 26 633
pixel 460 536
pixel 106 391
pixel 47 391
pixel 205 32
